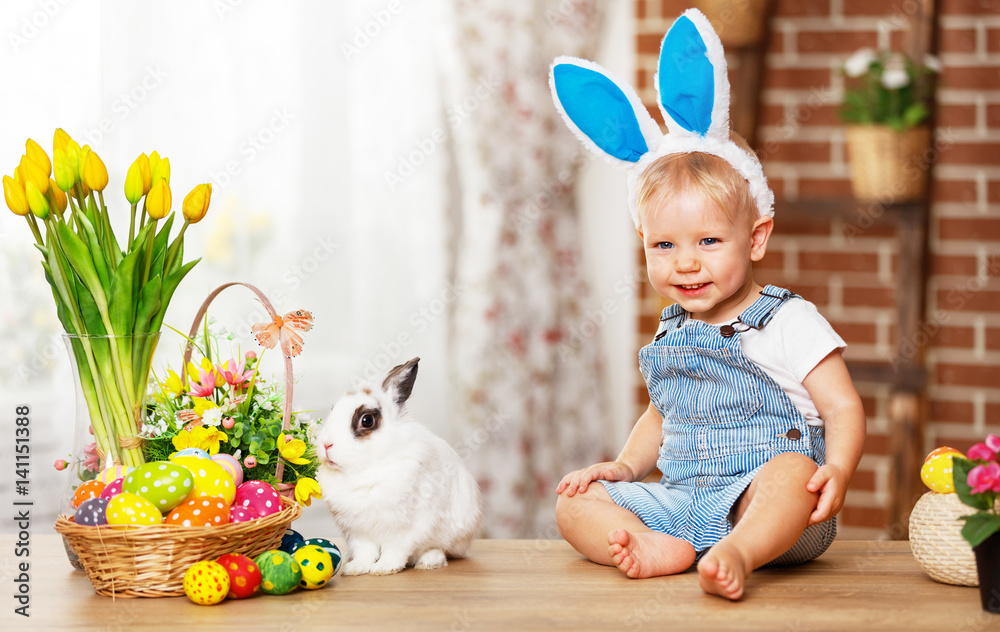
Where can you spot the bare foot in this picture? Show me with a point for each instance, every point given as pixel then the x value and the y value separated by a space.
pixel 641 555
pixel 723 571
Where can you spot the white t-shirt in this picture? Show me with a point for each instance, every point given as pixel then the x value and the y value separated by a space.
pixel 789 347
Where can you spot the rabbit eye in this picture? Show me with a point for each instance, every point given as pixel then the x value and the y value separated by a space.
pixel 367 421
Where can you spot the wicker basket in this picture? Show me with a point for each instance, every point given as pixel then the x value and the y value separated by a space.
pixel 936 539
pixel 886 165
pixel 151 561
pixel 739 23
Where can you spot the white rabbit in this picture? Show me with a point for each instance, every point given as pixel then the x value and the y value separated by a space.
pixel 400 494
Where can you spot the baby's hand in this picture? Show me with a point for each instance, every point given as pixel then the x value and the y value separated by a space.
pixel 578 481
pixel 830 481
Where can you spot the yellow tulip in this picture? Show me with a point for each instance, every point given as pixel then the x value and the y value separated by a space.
pixel 57 199
pixel 307 489
pixel 158 201
pixel 81 159
pixel 202 405
pixel 162 170
pixel 65 172
pixel 196 202
pixel 147 172
pixel 29 171
pixel 34 151
pixel 291 449
pixel 173 384
pixel 93 173
pixel 13 194
pixel 36 201
pixel 134 183
pixel 60 140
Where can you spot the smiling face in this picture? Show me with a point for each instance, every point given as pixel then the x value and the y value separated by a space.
pixel 701 257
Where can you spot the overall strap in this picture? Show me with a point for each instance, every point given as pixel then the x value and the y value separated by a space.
pixel 672 317
pixel 764 308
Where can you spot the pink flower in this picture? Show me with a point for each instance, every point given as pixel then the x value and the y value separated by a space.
pixel 207 385
pixel 235 375
pixel 993 442
pixel 91 462
pixel 251 355
pixel 981 452
pixel 984 478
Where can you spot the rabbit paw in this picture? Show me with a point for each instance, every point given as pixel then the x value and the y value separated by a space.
pixel 357 567
pixel 433 558
pixel 387 567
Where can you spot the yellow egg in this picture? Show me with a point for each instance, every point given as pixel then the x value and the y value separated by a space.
pixel 941 451
pixel 128 511
pixel 210 478
pixel 937 472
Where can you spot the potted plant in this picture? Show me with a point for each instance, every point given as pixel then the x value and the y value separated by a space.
pixel 977 483
pixel 887 101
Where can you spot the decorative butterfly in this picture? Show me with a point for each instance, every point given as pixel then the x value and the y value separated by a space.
pixel 190 418
pixel 284 329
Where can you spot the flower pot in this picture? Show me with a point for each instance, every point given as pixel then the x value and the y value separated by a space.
pixel 886 165
pixel 739 23
pixel 110 374
pixel 988 567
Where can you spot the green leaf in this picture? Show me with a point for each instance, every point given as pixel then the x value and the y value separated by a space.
pixel 914 115
pixel 275 430
pixel 89 235
pixel 169 285
pixel 149 304
pixel 268 445
pixel 140 239
pixel 961 470
pixel 980 526
pixel 122 304
pixel 92 322
pixel 82 263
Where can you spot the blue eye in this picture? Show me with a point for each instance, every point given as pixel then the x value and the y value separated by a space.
pixel 664 245
pixel 709 241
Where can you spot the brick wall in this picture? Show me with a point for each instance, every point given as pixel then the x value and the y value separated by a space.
pixel 853 276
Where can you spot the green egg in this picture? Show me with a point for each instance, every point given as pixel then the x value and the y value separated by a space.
pixel 281 574
pixel 163 484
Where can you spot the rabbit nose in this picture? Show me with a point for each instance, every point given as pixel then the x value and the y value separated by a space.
pixel 327 446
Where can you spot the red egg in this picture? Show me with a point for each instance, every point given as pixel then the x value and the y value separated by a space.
pixel 113 488
pixel 259 496
pixel 86 491
pixel 244 575
pixel 241 514
pixel 203 511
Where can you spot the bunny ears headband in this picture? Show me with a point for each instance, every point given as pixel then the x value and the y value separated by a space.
pixel 692 87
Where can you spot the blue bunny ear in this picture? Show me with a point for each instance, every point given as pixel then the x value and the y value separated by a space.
pixel 692 81
pixel 605 114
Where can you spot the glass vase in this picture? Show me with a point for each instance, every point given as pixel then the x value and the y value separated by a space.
pixel 110 374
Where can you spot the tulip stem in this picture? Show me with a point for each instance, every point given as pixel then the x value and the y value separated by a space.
pixel 149 253
pixel 131 228
pixel 34 228
pixel 175 248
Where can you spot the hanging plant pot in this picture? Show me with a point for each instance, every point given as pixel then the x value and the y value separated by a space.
pixel 739 23
pixel 886 165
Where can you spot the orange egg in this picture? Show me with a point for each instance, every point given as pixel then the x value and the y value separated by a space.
pixel 203 511
pixel 941 451
pixel 86 491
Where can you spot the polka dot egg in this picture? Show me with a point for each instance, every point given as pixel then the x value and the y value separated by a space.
pixel 198 452
pixel 330 548
pixel 112 473
pixel 259 496
pixel 244 575
pixel 204 511
pixel 937 472
pixel 166 485
pixel 86 491
pixel 113 488
pixel 92 512
pixel 206 583
pixel 291 541
pixel 281 573
pixel 316 566
pixel 239 513
pixel 127 511
pixel 210 479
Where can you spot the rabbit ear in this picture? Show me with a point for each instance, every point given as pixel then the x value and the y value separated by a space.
pixel 398 384
pixel 605 114
pixel 692 82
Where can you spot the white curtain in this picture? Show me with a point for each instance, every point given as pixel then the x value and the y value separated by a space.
pixel 344 146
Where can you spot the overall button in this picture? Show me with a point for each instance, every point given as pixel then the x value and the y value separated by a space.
pixel 727 331
pixel 793 434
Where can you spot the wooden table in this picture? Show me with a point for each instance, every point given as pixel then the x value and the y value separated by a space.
pixel 525 585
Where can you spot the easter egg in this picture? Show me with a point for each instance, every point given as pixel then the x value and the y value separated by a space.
pixel 166 485
pixel 198 452
pixel 126 511
pixel 113 488
pixel 937 472
pixel 330 548
pixel 259 496
pixel 209 477
pixel 244 575
pixel 942 451
pixel 231 465
pixel 316 566
pixel 113 472
pixel 239 513
pixel 206 583
pixel 203 511
pixel 91 512
pixel 291 541
pixel 281 574
pixel 86 491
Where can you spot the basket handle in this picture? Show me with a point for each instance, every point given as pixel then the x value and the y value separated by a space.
pixel 287 414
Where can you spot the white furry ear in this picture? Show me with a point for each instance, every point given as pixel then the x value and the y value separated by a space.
pixel 398 384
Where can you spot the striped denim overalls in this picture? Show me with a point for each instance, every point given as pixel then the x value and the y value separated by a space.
pixel 723 419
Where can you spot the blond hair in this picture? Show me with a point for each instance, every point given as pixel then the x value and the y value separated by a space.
pixel 709 174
